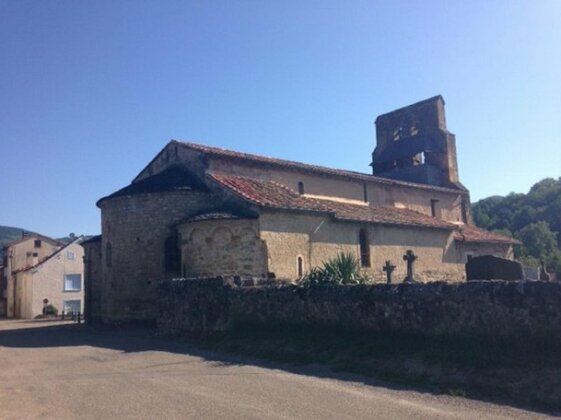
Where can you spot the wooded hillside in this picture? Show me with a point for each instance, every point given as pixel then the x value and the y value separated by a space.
pixel 533 218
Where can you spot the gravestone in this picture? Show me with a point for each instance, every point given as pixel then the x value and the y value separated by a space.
pixel 388 268
pixel 489 267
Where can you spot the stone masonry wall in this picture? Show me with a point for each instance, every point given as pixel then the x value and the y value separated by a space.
pixel 223 247
pixel 136 227
pixel 482 308
pixel 92 281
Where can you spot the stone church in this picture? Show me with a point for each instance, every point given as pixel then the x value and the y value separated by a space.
pixel 197 211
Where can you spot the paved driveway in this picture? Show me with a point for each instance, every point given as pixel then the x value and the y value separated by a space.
pixel 67 371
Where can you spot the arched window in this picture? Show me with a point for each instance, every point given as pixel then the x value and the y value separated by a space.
pixel 108 255
pixel 300 187
pixel 364 248
pixel 172 255
pixel 300 266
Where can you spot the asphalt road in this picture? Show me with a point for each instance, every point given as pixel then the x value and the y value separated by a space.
pixel 65 371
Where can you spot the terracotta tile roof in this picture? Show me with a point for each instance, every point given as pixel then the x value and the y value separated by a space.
pixel 273 195
pixel 292 165
pixel 473 234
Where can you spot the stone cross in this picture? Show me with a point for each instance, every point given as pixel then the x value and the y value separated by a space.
pixel 410 258
pixel 388 268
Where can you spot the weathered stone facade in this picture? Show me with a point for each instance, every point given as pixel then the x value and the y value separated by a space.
pixel 134 233
pixel 201 211
pixel 480 308
pixel 229 246
pixel 92 279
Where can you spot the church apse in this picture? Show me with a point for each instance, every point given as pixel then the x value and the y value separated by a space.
pixel 413 144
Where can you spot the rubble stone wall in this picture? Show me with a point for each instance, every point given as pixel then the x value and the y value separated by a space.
pixel 480 308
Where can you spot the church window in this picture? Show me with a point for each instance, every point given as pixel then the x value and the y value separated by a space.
pixel 300 266
pixel 365 193
pixel 300 187
pixel 172 255
pixel 108 255
pixel 364 248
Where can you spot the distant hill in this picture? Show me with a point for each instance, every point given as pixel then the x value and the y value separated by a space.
pixel 533 218
pixel 9 234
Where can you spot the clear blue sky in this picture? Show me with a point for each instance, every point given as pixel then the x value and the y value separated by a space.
pixel 91 91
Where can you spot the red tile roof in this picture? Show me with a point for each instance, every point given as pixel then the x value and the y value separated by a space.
pixel 473 234
pixel 322 170
pixel 273 195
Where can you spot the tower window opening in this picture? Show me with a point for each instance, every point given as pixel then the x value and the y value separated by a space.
pixel 433 208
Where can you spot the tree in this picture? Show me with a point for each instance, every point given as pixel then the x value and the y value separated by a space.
pixel 540 243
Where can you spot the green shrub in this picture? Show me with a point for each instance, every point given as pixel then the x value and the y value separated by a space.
pixel 51 310
pixel 342 269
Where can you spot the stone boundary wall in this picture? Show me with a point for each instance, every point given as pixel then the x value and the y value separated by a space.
pixel 480 308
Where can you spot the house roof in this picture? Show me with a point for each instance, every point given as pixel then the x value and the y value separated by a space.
pixel 172 179
pixel 91 240
pixel 270 194
pixel 473 234
pixel 321 170
pixel 49 257
pixel 33 236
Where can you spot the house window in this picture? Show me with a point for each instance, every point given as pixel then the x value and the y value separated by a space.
pixel 365 193
pixel 70 255
pixel 108 255
pixel 72 282
pixel 300 263
pixel 364 248
pixel 37 243
pixel 434 208
pixel 300 187
pixel 72 306
pixel 172 255
pixel 34 254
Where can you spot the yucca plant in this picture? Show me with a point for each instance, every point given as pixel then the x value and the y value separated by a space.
pixel 342 269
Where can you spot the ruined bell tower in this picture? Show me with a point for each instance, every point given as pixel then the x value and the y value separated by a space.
pixel 413 144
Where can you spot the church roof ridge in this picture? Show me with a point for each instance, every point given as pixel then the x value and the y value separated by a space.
pixel 300 166
pixel 271 194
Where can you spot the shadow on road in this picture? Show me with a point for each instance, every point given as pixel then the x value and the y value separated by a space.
pixel 34 334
